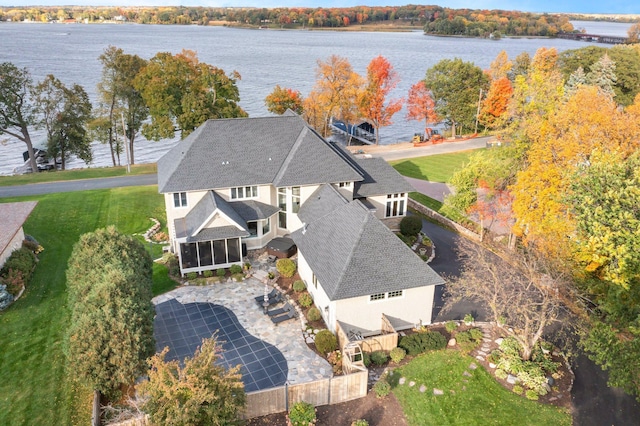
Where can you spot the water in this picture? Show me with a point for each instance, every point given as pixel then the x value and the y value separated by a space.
pixel 264 58
pixel 603 28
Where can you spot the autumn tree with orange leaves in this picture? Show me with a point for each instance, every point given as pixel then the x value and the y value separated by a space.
pixel 420 104
pixel 335 94
pixel 373 105
pixel 494 106
pixel 282 99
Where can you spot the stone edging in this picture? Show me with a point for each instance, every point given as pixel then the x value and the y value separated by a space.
pixel 448 222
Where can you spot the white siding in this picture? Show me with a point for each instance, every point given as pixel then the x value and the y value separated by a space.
pixel 320 298
pixel 14 244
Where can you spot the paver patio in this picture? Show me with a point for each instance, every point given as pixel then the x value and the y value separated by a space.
pixel 304 365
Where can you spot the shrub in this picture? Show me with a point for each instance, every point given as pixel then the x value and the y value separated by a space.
pixel 366 359
pixel 360 422
pixel 192 275
pixel 335 359
pixel 476 334
pixel 517 389
pixel 22 260
pixel 14 282
pixel 501 374
pixel 313 314
pixel 451 326
pixel 299 286
pixel 30 245
pixel 238 277
pixel 221 272
pixel 531 394
pixel 397 354
pixel 173 265
pixel 305 300
pixel 382 388
pixel 468 319
pixel 469 340
pixel 302 414
pixel 410 225
pixel 286 267
pixel 235 269
pixel 417 343
pixel 379 357
pixel 326 342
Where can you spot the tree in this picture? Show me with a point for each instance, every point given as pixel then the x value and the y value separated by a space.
pixel 182 92
pixel 282 99
pixel 420 104
pixel 603 75
pixel 16 110
pixel 500 67
pixel 65 113
pixel 455 86
pixel 111 331
pixel 334 95
pixel 576 79
pixel 494 106
pixel 634 33
pixel 521 290
pixel 381 80
pixel 199 392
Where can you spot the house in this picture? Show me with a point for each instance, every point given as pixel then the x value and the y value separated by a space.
pixel 234 185
pixel 13 215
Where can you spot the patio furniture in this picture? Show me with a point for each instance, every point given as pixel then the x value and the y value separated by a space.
pixel 291 313
pixel 271 295
pixel 279 311
pixel 270 301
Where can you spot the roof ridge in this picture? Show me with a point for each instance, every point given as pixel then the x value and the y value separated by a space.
pixel 292 152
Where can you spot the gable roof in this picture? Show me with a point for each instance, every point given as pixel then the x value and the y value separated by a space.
pixel 379 179
pixel 13 217
pixel 323 201
pixel 280 150
pixel 353 254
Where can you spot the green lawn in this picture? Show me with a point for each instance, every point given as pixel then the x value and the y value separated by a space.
pixel 434 168
pixel 76 174
pixel 35 388
pixel 479 400
pixel 444 210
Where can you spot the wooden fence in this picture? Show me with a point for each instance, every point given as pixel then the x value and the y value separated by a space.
pixel 381 342
pixel 320 392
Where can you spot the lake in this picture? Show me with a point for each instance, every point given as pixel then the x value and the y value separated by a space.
pixel 264 58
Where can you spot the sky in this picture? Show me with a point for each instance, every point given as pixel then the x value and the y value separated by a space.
pixel 574 6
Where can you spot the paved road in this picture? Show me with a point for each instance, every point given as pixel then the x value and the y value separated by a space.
pixel 77 185
pixel 441 148
pixel 594 402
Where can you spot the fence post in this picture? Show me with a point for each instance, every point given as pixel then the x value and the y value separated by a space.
pixel 286 396
pixel 95 414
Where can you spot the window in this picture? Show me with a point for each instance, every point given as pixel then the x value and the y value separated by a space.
pixel 253 229
pixel 397 293
pixel 189 255
pixel 344 185
pixel 266 226
pixel 375 297
pixel 179 199
pixel 205 253
pixel 233 247
pixel 282 203
pixel 295 199
pixel 243 192
pixel 395 205
pixel 314 279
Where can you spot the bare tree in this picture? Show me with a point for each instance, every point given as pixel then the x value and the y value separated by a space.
pixel 520 289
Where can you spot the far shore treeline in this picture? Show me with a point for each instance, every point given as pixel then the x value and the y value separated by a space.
pixel 433 19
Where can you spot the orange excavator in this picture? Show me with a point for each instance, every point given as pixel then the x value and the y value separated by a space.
pixel 430 135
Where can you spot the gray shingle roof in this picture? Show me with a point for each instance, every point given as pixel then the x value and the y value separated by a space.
pixel 379 179
pixel 354 254
pixel 218 233
pixel 202 211
pixel 254 210
pixel 323 201
pixel 279 150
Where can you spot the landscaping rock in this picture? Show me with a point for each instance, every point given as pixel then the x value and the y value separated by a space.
pixel 512 379
pixel 466 373
pixel 6 298
pixel 423 388
pixel 452 342
pixel 412 384
pixel 402 381
pixel 499 341
pixel 473 366
pixel 479 358
pixel 492 365
pixel 438 391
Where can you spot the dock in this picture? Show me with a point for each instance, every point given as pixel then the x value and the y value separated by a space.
pixel 363 132
pixel 595 38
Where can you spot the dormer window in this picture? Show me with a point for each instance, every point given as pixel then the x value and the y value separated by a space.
pixel 344 184
pixel 244 192
pixel 179 199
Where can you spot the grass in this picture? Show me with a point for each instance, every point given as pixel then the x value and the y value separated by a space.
pixel 434 168
pixel 76 174
pixel 479 400
pixel 35 387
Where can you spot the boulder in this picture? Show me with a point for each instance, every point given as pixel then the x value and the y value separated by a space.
pixel 452 342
